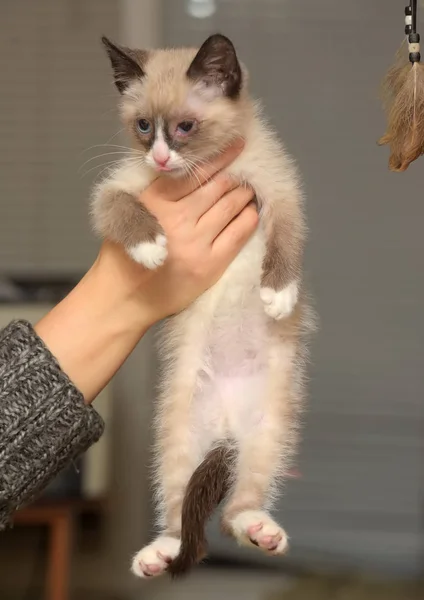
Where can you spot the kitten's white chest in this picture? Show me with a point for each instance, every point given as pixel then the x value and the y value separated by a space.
pixel 240 283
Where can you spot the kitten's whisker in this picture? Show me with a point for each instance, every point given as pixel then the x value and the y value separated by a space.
pixel 105 170
pixel 188 170
pixel 193 173
pixel 115 134
pixel 194 168
pixel 102 155
pixel 134 150
pixel 108 111
pixel 201 171
pixel 136 162
pixel 199 166
pixel 109 165
pixel 196 176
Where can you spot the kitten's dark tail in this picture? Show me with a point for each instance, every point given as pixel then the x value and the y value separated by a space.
pixel 207 487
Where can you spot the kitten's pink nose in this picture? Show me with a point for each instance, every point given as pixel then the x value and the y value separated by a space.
pixel 160 152
pixel 161 158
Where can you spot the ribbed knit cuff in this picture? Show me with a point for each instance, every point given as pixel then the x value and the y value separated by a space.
pixel 44 422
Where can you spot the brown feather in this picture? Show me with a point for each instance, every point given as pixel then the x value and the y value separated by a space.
pixel 403 97
pixel 395 77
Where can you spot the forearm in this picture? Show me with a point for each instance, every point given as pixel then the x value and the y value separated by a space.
pixel 94 329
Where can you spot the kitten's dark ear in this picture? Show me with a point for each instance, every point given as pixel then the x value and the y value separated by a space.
pixel 126 63
pixel 217 64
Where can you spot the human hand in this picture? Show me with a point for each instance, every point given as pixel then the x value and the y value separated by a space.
pixel 207 220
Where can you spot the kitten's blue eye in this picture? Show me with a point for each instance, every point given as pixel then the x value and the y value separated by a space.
pixel 185 126
pixel 144 126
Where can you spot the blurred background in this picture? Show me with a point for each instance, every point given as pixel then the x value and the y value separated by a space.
pixel 355 515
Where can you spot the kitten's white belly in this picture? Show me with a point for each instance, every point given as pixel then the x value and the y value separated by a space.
pixel 236 329
pixel 232 378
pixel 228 407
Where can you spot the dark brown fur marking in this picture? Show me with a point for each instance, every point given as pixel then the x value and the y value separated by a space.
pixel 216 63
pixel 283 259
pixel 123 219
pixel 207 487
pixel 126 63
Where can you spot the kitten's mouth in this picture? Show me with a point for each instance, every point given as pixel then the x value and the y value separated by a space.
pixel 171 171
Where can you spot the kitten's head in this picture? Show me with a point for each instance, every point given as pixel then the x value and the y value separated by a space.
pixel 181 106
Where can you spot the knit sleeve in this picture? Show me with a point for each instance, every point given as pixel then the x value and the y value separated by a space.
pixel 44 422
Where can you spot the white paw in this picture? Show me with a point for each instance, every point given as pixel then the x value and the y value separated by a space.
pixel 280 304
pixel 154 559
pixel 256 527
pixel 150 254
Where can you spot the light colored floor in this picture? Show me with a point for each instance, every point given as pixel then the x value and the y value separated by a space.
pixel 22 567
pixel 211 583
pixel 22 570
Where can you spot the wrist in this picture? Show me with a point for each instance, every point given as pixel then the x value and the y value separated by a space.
pixel 124 284
pixel 115 300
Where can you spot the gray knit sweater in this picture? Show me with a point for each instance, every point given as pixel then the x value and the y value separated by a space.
pixel 44 423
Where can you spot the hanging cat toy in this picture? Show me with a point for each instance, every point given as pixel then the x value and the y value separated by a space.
pixel 403 97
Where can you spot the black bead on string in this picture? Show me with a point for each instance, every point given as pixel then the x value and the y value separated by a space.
pixel 413 36
pixel 414 43
pixel 408 20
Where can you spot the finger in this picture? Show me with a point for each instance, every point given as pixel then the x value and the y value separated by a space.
pixel 223 212
pixel 195 205
pixel 198 203
pixel 173 189
pixel 232 239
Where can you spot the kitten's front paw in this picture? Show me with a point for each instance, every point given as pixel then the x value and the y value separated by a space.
pixel 256 527
pixel 279 304
pixel 154 559
pixel 150 254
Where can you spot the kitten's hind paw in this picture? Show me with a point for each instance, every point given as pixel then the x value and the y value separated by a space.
pixel 153 560
pixel 256 527
pixel 279 304
pixel 150 254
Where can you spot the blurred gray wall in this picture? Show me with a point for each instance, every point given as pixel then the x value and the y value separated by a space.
pixel 317 65
pixel 56 102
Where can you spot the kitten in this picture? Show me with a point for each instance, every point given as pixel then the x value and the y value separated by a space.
pixel 232 385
